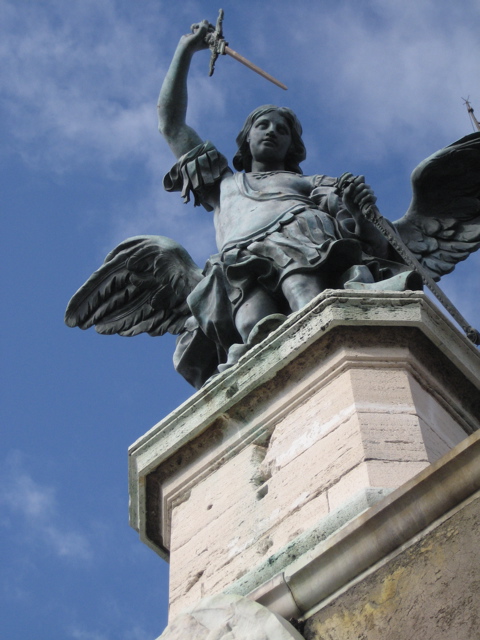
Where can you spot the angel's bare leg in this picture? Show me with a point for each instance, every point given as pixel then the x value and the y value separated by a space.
pixel 256 305
pixel 300 288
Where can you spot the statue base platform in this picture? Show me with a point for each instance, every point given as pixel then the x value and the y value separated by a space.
pixel 279 473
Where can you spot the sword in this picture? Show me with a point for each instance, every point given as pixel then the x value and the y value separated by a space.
pixel 218 46
pixel 371 213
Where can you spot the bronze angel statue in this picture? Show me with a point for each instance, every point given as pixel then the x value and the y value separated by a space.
pixel 282 237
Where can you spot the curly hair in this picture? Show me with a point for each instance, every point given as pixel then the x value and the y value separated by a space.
pixel 242 160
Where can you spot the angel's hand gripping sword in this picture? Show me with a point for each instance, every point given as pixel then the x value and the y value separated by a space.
pixel 219 46
pixel 371 213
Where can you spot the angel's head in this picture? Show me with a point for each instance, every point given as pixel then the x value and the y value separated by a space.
pixel 290 137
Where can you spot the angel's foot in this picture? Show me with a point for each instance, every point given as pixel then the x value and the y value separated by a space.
pixel 259 332
pixel 235 352
pixel 264 327
pixel 405 281
pixel 301 288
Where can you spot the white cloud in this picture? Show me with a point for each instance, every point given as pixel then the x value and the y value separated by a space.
pixel 32 509
pixel 84 81
pixel 384 67
pixel 81 84
pixel 64 80
pixel 80 89
pixel 21 494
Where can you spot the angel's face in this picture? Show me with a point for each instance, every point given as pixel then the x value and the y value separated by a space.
pixel 270 138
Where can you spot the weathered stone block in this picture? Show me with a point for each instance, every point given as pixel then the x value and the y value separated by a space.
pixel 351 397
pixel 429 590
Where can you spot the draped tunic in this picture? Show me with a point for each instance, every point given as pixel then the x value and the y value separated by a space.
pixel 264 234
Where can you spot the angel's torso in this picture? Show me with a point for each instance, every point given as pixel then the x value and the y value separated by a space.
pixel 247 204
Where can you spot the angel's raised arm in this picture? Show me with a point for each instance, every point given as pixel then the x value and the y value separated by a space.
pixel 173 98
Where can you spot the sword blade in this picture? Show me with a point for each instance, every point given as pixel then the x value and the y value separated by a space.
pixel 372 213
pixel 236 56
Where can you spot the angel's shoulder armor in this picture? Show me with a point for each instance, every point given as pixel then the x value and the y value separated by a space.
pixel 197 172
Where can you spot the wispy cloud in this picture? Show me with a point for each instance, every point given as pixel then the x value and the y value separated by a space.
pixel 64 82
pixel 33 510
pixel 386 67
pixel 80 89
pixel 83 82
pixel 134 633
pixel 81 634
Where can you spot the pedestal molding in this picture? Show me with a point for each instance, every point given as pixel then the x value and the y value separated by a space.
pixel 260 429
pixel 361 393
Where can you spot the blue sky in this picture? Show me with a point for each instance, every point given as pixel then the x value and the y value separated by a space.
pixel 378 86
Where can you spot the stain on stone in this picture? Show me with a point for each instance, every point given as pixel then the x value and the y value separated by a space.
pixel 429 591
pixel 264 545
pixel 231 391
pixel 193 581
pixel 262 492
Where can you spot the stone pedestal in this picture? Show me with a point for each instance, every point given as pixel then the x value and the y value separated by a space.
pixel 347 401
pixel 421 566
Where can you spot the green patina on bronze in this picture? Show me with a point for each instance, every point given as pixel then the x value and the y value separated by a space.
pixel 282 237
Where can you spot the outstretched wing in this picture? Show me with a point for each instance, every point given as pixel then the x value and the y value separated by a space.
pixel 141 287
pixel 442 224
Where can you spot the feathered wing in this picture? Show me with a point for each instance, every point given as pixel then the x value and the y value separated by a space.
pixel 442 224
pixel 141 287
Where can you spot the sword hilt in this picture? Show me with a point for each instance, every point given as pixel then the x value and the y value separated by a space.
pixel 216 42
pixel 218 46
